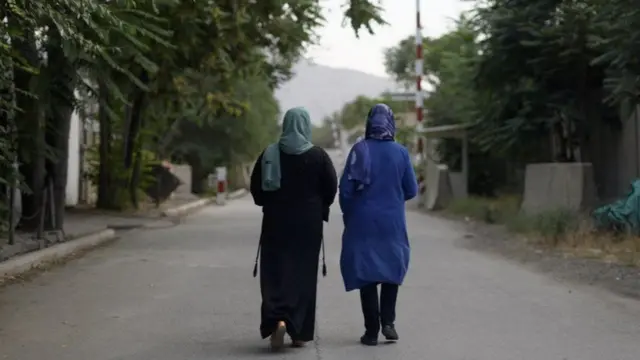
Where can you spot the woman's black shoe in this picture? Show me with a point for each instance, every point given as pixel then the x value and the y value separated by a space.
pixel 389 332
pixel 368 340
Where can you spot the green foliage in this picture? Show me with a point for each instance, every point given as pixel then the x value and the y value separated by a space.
pixel 223 138
pixel 615 30
pixel 449 65
pixel 550 225
pixel 490 210
pixel 536 73
pixel 353 114
pixel 405 135
pixel 363 14
pixel 536 78
pixel 555 224
pixel 449 68
pixel 167 76
pixel 399 61
pixel 121 175
pixel 323 135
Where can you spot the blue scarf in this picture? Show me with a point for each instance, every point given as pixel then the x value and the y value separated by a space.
pixel 381 126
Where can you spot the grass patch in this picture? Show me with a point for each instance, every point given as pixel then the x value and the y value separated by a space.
pixel 490 210
pixel 562 229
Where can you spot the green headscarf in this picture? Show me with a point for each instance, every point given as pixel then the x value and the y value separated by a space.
pixel 295 140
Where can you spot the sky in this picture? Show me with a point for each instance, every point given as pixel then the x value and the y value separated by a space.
pixel 339 46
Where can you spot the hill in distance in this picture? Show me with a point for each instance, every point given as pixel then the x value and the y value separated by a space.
pixel 323 89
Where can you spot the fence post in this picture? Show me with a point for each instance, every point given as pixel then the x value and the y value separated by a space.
pixel 221 178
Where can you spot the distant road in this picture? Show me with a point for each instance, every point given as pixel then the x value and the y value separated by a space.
pixel 337 158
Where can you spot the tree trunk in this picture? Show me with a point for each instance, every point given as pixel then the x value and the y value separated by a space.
pixel 136 173
pixel 106 193
pixel 560 151
pixel 30 132
pixel 134 122
pixel 198 175
pixel 133 141
pixel 63 81
pixel 7 140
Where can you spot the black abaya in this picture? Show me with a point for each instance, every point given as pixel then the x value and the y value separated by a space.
pixel 291 238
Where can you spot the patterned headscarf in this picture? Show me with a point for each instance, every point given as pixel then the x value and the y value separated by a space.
pixel 381 126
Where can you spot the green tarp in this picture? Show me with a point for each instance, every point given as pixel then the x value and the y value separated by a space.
pixel 622 215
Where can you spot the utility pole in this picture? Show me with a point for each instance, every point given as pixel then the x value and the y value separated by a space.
pixel 419 70
pixel 420 145
pixel 339 138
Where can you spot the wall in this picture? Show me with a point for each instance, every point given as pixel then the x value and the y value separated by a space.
pixel 408 118
pixel 615 155
pixel 73 164
pixel 183 192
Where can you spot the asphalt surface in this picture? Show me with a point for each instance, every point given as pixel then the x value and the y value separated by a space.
pixel 187 293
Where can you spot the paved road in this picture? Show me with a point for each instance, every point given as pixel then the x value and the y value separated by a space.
pixel 186 293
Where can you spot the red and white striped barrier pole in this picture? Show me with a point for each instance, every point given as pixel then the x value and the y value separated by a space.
pixel 419 66
pixel 419 94
pixel 221 179
pixel 336 135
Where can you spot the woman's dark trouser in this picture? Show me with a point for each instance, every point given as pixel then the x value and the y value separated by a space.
pixel 378 312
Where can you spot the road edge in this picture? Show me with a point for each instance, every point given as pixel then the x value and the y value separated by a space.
pixel 22 264
pixel 186 209
pixel 33 260
pixel 240 193
pixel 191 207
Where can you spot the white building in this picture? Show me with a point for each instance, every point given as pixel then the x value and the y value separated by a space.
pixel 83 134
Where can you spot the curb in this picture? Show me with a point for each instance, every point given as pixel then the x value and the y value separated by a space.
pixel 186 208
pixel 24 263
pixel 237 194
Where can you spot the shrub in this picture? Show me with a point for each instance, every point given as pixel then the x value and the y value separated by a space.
pixel 121 176
pixel 505 210
pixel 490 210
pixel 555 224
pixel 560 228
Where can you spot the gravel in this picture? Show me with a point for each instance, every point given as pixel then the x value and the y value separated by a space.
pixel 495 239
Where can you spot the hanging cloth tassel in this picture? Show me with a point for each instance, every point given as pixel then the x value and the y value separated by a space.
pixel 324 262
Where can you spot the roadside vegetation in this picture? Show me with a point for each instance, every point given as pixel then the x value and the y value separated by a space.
pixel 560 229
pixel 184 81
pixel 538 82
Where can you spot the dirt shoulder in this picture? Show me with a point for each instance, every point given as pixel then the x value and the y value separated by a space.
pixel 563 266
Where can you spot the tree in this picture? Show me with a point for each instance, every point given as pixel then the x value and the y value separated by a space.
pixel 206 140
pixel 323 135
pixel 140 61
pixel 354 113
pixel 537 78
pixel 615 26
pixel 49 42
pixel 549 81
pixel 266 37
pixel 399 61
pixel 449 68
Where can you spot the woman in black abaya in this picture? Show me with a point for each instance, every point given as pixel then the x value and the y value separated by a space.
pixel 295 183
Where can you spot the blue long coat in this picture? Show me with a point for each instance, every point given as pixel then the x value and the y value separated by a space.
pixel 375 246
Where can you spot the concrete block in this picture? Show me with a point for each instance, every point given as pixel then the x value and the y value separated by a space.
pixel 552 186
pixel 183 172
pixel 439 190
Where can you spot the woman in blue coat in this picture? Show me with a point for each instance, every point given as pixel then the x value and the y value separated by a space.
pixel 377 180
